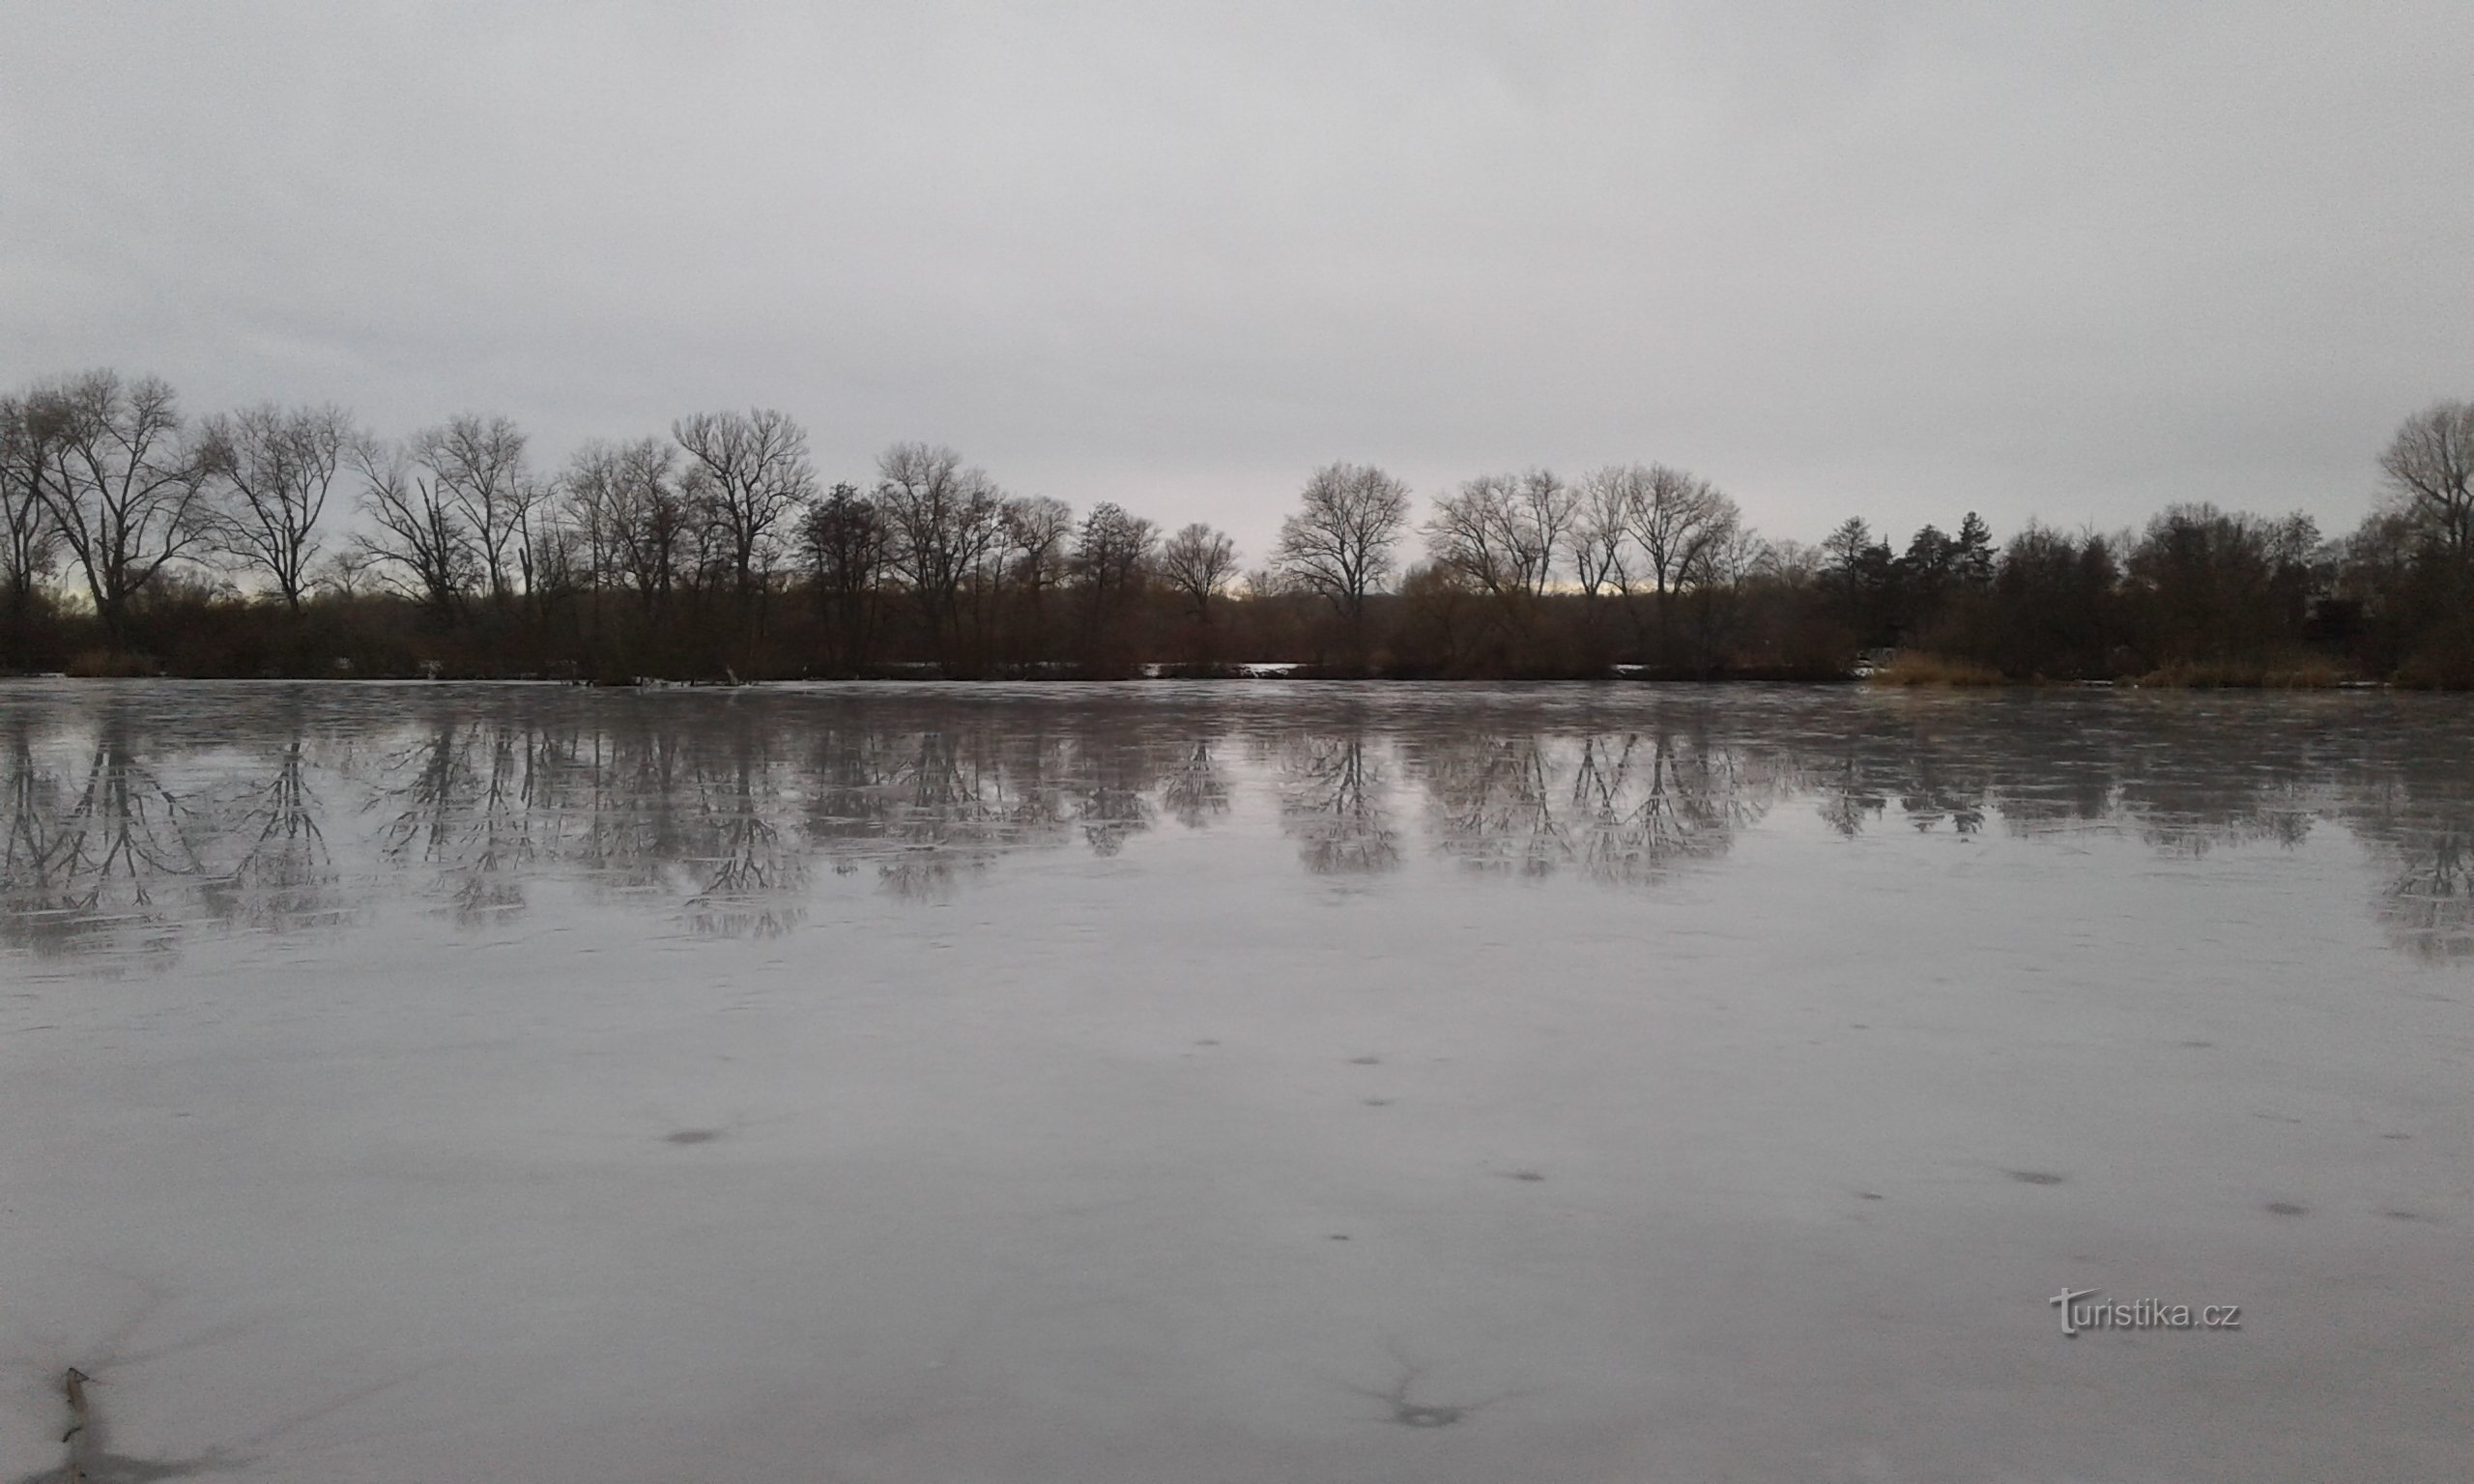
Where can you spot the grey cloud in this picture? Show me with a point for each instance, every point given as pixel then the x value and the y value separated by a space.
pixel 2073 260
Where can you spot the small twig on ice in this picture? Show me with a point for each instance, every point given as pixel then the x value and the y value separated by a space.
pixel 78 1440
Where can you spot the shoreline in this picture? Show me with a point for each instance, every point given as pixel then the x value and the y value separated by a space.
pixel 1291 674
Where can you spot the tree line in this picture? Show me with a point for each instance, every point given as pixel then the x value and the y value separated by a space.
pixel 291 541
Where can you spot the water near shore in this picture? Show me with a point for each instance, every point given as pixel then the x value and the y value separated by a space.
pixel 1284 1082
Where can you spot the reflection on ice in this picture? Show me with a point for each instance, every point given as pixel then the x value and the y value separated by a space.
pixel 2426 900
pixel 95 840
pixel 123 833
pixel 1336 802
pixel 1255 1080
pixel 1618 806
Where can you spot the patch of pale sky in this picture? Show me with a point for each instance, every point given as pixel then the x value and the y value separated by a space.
pixel 2073 261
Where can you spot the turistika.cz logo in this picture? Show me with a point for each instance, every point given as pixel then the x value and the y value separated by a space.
pixel 2139 1314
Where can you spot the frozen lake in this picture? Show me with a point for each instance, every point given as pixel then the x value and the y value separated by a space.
pixel 1260 1081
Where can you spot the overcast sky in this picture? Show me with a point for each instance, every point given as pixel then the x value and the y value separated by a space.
pixel 1898 260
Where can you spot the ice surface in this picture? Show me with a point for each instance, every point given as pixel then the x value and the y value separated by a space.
pixel 1275 1081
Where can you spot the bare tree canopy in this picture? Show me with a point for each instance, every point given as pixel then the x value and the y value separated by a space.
pixel 475 465
pixel 1199 563
pixel 1502 532
pixel 1602 528
pixel 29 537
pixel 2430 467
pixel 127 495
pixel 631 520
pixel 421 545
pixel 1339 543
pixel 1038 540
pixel 1843 549
pixel 654 522
pixel 757 478
pixel 1678 518
pixel 1112 550
pixel 120 522
pixel 945 522
pixel 1038 532
pixel 272 467
pixel 1113 556
pixel 842 539
pixel 586 496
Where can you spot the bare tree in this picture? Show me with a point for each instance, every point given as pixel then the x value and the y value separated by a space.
pixel 1548 507
pixel 422 544
pixel 554 550
pixel 347 571
pixel 1113 551
pixel 1199 563
pixel 650 519
pixel 1843 550
pixel 29 537
pixel 477 465
pixel 1713 590
pixel 586 499
pixel 2430 467
pixel 1113 558
pixel 945 521
pixel 842 537
pixel 127 496
pixel 1502 531
pixel 1599 541
pixel 275 468
pixel 1265 584
pixel 1469 534
pixel 1677 517
pixel 1339 543
pixel 1038 533
pixel 1791 562
pixel 757 479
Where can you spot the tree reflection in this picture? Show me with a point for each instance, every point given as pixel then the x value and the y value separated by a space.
pixel 1653 800
pixel 86 864
pixel 1194 791
pixel 1940 792
pixel 755 878
pixel 117 834
pixel 458 801
pixel 1851 798
pixel 2418 824
pixel 1489 799
pixel 2429 903
pixel 284 877
pixel 2174 797
pixel 1622 808
pixel 1335 803
pixel 2265 799
pixel 1111 795
pixel 952 808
